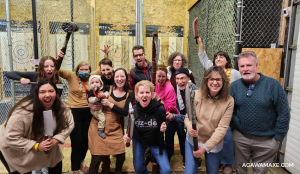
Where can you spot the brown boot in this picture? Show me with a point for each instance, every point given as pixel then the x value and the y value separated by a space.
pixel 227 169
pixel 155 169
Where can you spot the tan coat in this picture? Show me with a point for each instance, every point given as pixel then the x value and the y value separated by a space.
pixel 16 142
pixel 213 119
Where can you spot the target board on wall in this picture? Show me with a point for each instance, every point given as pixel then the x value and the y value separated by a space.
pixel 22 51
pixel 121 40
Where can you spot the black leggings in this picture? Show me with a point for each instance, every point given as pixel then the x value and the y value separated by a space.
pixel 52 170
pixel 96 160
pixel 79 136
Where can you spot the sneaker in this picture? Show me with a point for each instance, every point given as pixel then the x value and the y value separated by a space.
pixel 227 169
pixel 84 168
pixel 199 164
pixel 76 172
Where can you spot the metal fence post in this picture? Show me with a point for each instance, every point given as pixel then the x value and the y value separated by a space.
pixel 10 48
pixel 35 37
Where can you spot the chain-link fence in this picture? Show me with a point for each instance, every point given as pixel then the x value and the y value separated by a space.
pixel 50 16
pixel 216 26
pixel 261 23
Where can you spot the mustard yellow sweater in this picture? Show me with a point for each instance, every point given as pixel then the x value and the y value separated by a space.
pixel 73 100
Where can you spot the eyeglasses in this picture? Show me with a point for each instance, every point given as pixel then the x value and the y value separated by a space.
pixel 182 78
pixel 249 92
pixel 177 60
pixel 216 79
pixel 138 55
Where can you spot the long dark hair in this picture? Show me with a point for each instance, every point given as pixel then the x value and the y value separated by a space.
pixel 58 109
pixel 222 53
pixel 126 85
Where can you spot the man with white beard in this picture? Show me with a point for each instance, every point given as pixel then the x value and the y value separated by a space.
pixel 260 117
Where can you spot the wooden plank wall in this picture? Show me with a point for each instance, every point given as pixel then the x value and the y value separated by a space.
pixel 121 50
pixel 269 61
pixel 121 46
pixel 168 45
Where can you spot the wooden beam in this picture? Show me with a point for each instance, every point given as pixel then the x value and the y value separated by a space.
pixel 283 23
pixel 191 3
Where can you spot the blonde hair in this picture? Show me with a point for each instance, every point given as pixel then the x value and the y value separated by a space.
pixel 144 83
pixel 82 63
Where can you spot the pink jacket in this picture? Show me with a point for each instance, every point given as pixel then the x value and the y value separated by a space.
pixel 168 95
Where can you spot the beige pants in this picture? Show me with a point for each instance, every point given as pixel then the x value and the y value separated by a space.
pixel 99 115
pixel 262 149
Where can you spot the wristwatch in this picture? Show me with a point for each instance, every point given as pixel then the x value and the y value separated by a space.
pixel 159 100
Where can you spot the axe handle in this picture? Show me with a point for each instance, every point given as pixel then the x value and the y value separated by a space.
pixel 46 152
pixel 196 37
pixel 195 140
pixel 128 130
pixel 64 48
pixel 29 82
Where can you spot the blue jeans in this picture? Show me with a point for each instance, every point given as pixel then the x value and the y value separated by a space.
pixel 138 150
pixel 227 153
pixel 172 127
pixel 211 160
pixel 45 169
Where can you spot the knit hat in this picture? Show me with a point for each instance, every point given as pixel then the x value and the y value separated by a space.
pixel 95 76
pixel 183 70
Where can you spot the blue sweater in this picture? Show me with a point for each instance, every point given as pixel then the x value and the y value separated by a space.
pixel 265 113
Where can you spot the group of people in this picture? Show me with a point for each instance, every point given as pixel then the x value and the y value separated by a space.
pixel 234 115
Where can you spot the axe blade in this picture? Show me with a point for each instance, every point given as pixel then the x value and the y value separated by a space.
pixel 195 28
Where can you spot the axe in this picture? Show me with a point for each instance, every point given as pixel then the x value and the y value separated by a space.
pixel 155 55
pixel 195 28
pixel 48 125
pixel 68 27
pixel 194 123
pixel 130 123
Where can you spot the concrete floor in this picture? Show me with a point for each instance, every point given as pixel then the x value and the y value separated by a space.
pixel 176 162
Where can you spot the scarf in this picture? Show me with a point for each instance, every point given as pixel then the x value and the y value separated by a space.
pixel 188 89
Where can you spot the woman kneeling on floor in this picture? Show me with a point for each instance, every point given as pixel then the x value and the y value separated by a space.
pixel 22 142
pixel 149 127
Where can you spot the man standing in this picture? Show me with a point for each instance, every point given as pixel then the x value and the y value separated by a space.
pixel 184 89
pixel 107 71
pixel 260 117
pixel 142 69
